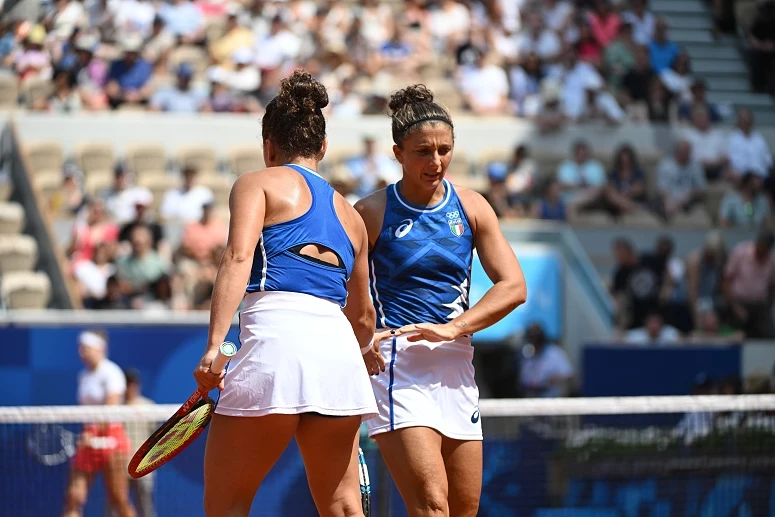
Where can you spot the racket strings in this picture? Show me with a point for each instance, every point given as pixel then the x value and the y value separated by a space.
pixel 177 437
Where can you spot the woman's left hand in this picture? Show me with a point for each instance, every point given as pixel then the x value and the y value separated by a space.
pixel 432 332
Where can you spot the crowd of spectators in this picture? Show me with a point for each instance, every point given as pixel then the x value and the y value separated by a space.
pixel 712 296
pixel 120 255
pixel 739 164
pixel 553 61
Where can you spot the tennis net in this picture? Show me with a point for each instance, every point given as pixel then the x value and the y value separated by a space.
pixel 655 456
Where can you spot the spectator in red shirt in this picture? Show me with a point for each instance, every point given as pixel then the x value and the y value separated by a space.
pixel 604 23
pixel 202 237
pixel 91 231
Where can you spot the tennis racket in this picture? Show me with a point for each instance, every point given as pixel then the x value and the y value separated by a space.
pixel 51 444
pixel 183 427
pixel 363 476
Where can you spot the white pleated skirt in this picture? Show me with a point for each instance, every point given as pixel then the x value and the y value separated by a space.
pixel 298 355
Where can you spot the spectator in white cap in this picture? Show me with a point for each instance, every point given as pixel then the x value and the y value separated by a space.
pixel 236 37
pixel 129 78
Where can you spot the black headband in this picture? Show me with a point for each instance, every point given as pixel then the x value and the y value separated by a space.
pixel 434 118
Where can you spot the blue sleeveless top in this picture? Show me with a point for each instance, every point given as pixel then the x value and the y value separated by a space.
pixel 421 264
pixel 277 265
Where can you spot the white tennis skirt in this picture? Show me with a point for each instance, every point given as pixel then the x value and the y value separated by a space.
pixel 299 355
pixel 427 385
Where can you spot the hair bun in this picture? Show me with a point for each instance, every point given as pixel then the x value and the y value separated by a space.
pixel 302 93
pixel 414 94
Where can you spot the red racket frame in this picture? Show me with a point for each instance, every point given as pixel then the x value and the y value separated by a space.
pixel 188 406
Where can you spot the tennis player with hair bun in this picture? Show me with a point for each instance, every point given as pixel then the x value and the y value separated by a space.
pixel 300 251
pixel 102 448
pixel 422 234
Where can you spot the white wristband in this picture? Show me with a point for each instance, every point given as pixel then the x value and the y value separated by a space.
pixel 365 350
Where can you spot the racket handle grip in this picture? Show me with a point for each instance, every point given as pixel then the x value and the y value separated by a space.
pixel 225 352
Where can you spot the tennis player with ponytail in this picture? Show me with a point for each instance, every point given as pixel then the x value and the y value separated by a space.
pixel 422 234
pixel 301 250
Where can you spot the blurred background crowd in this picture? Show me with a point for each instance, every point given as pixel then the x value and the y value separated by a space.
pixel 553 60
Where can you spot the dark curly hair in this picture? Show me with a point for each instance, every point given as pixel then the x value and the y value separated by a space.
pixel 411 107
pixel 294 119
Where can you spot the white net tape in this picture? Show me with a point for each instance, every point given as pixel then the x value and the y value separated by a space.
pixel 489 408
pixel 666 456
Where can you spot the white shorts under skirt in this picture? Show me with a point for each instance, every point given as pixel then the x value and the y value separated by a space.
pixel 299 355
pixel 427 385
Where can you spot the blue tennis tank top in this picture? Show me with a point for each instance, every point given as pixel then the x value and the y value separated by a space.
pixel 421 264
pixel 278 267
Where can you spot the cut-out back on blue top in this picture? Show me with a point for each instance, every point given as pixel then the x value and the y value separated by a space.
pixel 277 268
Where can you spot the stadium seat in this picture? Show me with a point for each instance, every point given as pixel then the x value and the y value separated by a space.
pixel 215 27
pixel 95 156
pixel 43 155
pixel 460 167
pixel 48 181
pixel 146 157
pixel 477 183
pixel 131 108
pixel 9 91
pixel 199 156
pixel 222 213
pixel 5 189
pixel 195 56
pixel 595 219
pixel 25 290
pixel 17 253
pixel 643 220
pixel 34 91
pixel 548 161
pixel 338 155
pixel 494 154
pixel 11 218
pixel 158 183
pixel 98 180
pixel 221 187
pixel 246 158
pixel 445 92
pixel 696 219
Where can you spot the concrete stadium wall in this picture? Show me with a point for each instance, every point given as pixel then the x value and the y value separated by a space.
pixel 474 135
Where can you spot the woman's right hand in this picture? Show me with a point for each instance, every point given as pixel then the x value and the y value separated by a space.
pixel 206 379
pixel 374 361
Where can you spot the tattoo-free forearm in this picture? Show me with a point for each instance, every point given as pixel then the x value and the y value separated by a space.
pixel 229 288
pixel 497 302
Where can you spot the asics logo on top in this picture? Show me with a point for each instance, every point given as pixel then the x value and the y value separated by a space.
pixel 406 227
